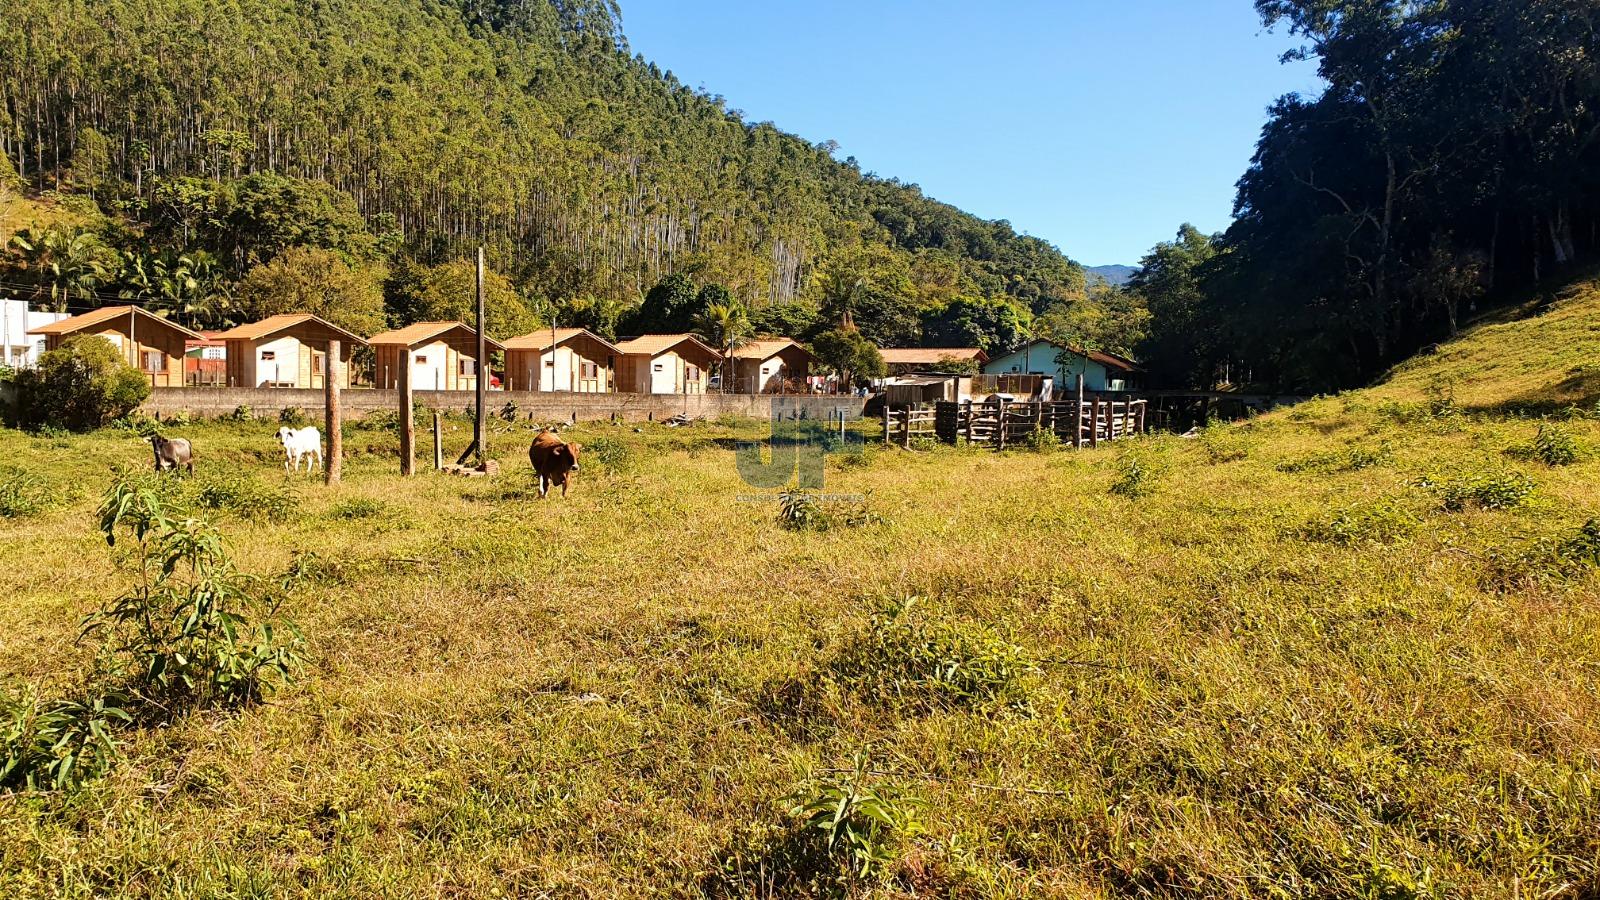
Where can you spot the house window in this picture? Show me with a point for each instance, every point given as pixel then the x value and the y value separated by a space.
pixel 154 361
pixel 317 359
pixel 693 373
pixel 269 355
pixel 588 369
pixel 658 367
pixel 422 360
pixel 468 367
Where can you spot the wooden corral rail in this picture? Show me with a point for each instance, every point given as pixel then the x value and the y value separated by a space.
pixel 1004 423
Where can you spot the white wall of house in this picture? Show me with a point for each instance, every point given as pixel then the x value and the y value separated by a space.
pixel 771 373
pixel 557 370
pixel 664 373
pixel 1039 358
pixel 19 349
pixel 430 367
pixel 276 362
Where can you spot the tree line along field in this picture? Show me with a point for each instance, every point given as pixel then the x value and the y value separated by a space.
pixel 1348 649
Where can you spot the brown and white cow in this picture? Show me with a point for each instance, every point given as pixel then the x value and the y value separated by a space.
pixel 554 460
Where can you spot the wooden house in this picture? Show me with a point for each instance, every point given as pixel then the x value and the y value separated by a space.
pixel 1102 372
pixel 917 360
pixel 763 366
pixel 289 351
pixel 149 343
pixel 443 356
pixel 565 359
pixel 663 364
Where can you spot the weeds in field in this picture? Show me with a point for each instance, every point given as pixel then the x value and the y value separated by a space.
pixel 357 509
pixel 1137 476
pixel 801 510
pixel 55 745
pixel 23 494
pixel 860 825
pixel 1490 489
pixel 192 631
pixel 1554 445
pixel 907 659
pixel 1223 443
pixel 294 417
pixel 1042 440
pixel 1350 459
pixel 247 497
pixel 1549 559
pixel 1380 522
pixel 609 455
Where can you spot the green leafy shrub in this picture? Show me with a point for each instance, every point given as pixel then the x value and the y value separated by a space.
pixel 293 416
pixel 192 631
pixel 1554 445
pixel 609 455
pixel 906 658
pixel 1350 459
pixel 1380 522
pixel 23 494
pixel 246 496
pixel 1043 440
pixel 241 413
pixel 859 825
pixel 1553 559
pixel 81 385
pixel 799 510
pixel 1221 444
pixel 1137 476
pixel 55 745
pixel 1502 489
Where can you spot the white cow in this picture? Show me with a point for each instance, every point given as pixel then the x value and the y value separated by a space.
pixel 299 443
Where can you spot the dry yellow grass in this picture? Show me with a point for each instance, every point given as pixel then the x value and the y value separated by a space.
pixel 1284 671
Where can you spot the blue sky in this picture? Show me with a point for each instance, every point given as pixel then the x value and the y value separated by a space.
pixel 1099 125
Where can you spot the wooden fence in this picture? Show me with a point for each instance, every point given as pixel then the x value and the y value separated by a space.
pixel 1004 423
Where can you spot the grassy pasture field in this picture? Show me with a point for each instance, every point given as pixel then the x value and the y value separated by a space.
pixel 1348 649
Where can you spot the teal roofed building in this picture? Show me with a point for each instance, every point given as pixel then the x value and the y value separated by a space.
pixel 1102 372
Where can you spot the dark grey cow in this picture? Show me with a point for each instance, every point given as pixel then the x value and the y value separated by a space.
pixel 172 453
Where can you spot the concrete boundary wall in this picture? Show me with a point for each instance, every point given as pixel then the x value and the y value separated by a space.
pixel 358 403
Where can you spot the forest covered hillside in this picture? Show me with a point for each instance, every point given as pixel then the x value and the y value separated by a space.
pixel 397 134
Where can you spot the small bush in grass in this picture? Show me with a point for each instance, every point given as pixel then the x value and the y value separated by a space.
pixel 904 657
pixel 1222 444
pixel 1555 445
pixel 1500 489
pixel 1556 559
pixel 241 413
pixel 359 508
pixel 247 497
pixel 609 455
pixel 861 826
pixel 1043 440
pixel 81 385
pixel 191 631
pixel 55 744
pixel 1136 476
pixel 800 510
pixel 23 495
pixel 293 416
pixel 1351 459
pixel 1380 522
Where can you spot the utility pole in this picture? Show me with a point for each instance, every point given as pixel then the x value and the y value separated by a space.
pixel 479 433
pixel 333 458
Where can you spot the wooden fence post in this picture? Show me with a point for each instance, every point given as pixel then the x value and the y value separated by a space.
pixel 970 417
pixel 1142 405
pixel 1094 424
pixel 905 428
pixel 408 425
pixel 333 420
pixel 887 440
pixel 438 444
pixel 1077 416
pixel 1000 426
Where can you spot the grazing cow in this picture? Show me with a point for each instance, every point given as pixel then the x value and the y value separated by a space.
pixel 554 460
pixel 300 443
pixel 172 453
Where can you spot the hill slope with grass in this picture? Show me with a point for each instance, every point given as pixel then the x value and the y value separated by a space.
pixel 1541 356
pixel 1349 649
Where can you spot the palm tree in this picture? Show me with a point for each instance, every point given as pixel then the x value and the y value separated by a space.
pixel 66 265
pixel 727 327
